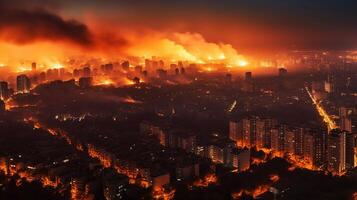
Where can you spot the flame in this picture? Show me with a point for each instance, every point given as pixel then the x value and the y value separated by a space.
pixel 274 178
pixel 295 160
pixel 169 47
pixel 104 81
pixel 354 196
pixel 206 181
pixel 259 190
pixel 162 194
pixel 242 63
pixel 131 100
pixel 56 65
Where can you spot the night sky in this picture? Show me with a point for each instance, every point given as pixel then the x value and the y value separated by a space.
pixel 254 25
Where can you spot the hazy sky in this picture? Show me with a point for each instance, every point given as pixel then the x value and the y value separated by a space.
pixel 249 25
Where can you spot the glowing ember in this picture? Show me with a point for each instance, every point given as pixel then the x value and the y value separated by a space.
pixel 274 178
pixel 207 180
pixel 259 190
pixel 104 82
pixel 131 100
pixel 160 193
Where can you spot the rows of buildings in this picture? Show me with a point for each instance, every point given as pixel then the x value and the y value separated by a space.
pixel 32 155
pixel 334 151
pixel 217 149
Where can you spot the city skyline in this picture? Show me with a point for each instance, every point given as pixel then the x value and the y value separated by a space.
pixel 178 100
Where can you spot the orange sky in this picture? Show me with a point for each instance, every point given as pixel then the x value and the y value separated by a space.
pixel 48 29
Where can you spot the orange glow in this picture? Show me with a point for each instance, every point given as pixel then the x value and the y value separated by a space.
pixel 160 193
pixel 325 116
pixel 131 100
pixel 354 196
pixel 274 178
pixel 104 81
pixel 261 189
pixel 295 160
pixel 129 82
pixel 169 47
pixel 102 156
pixel 24 173
pixel 242 63
pixel 206 181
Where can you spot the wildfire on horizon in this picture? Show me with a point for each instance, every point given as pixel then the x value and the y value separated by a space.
pixel 171 48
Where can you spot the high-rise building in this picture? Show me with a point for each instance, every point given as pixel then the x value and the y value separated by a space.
pixel 115 185
pixel 186 171
pixel 319 142
pixel 259 133
pixel 330 84
pixel 269 124
pixel 250 132
pixel 33 66
pixel 241 159
pixel 86 72
pixel 216 153
pixel 107 68
pixel 2 106
pixel 329 87
pixel 278 138
pixel 346 112
pixel 289 142
pixel 351 147
pixel 244 129
pixel 236 131
pixel 4 90
pixel 346 123
pixel 182 139
pixel 308 146
pixel 85 82
pixel 336 151
pixel 299 141
pixel 248 76
pixel 23 84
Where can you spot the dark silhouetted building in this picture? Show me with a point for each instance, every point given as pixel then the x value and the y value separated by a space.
pixel 278 138
pixel 23 84
pixel 33 66
pixel 320 142
pixel 241 159
pixel 115 186
pixel 248 76
pixel 351 144
pixel 283 72
pixel 289 142
pixel 87 72
pixel 2 106
pixel 299 141
pixel 125 65
pixel 4 90
pixel 336 151
pixel 85 82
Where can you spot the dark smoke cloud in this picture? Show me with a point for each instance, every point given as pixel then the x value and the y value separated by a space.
pixel 23 26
